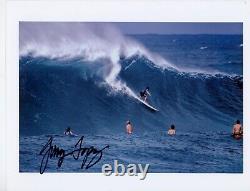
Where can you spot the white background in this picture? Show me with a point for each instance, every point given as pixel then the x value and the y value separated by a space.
pixel 2 94
pixel 136 10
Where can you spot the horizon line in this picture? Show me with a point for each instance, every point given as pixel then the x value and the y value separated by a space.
pixel 183 34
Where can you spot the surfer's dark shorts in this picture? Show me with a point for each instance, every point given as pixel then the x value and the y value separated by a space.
pixel 142 94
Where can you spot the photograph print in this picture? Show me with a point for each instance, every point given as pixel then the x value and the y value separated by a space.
pixel 149 97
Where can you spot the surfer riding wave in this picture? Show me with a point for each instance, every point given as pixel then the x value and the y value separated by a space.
pixel 144 94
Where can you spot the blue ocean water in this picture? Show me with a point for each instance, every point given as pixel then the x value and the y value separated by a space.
pixel 200 91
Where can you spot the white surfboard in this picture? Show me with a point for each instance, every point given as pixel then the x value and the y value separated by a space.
pixel 146 104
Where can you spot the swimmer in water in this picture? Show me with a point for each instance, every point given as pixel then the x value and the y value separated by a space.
pixel 237 132
pixel 129 127
pixel 68 131
pixel 171 130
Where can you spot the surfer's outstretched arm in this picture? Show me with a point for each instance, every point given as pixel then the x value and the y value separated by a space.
pixel 148 93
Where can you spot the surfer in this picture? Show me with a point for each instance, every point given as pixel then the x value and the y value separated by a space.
pixel 171 130
pixel 239 82
pixel 237 130
pixel 68 131
pixel 129 127
pixel 144 94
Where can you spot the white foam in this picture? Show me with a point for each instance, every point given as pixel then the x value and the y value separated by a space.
pixel 89 41
pixel 203 47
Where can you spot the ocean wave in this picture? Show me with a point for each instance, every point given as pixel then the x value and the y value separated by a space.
pixel 92 44
pixel 54 87
pixel 89 42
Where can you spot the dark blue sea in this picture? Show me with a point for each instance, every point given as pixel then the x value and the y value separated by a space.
pixel 196 83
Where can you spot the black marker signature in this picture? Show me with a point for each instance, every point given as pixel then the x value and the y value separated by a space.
pixel 50 151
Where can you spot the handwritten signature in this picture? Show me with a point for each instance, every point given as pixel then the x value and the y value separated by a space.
pixel 50 151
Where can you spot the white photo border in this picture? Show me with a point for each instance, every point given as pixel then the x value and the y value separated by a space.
pixel 118 11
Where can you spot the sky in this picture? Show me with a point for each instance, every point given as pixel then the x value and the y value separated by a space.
pixel 179 28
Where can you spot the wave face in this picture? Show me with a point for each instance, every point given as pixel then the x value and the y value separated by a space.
pixel 90 80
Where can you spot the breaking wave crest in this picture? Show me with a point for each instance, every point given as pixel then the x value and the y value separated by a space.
pixel 89 42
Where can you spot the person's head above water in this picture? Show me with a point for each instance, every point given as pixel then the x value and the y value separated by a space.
pixel 172 126
pixel 128 122
pixel 238 121
pixel 68 128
